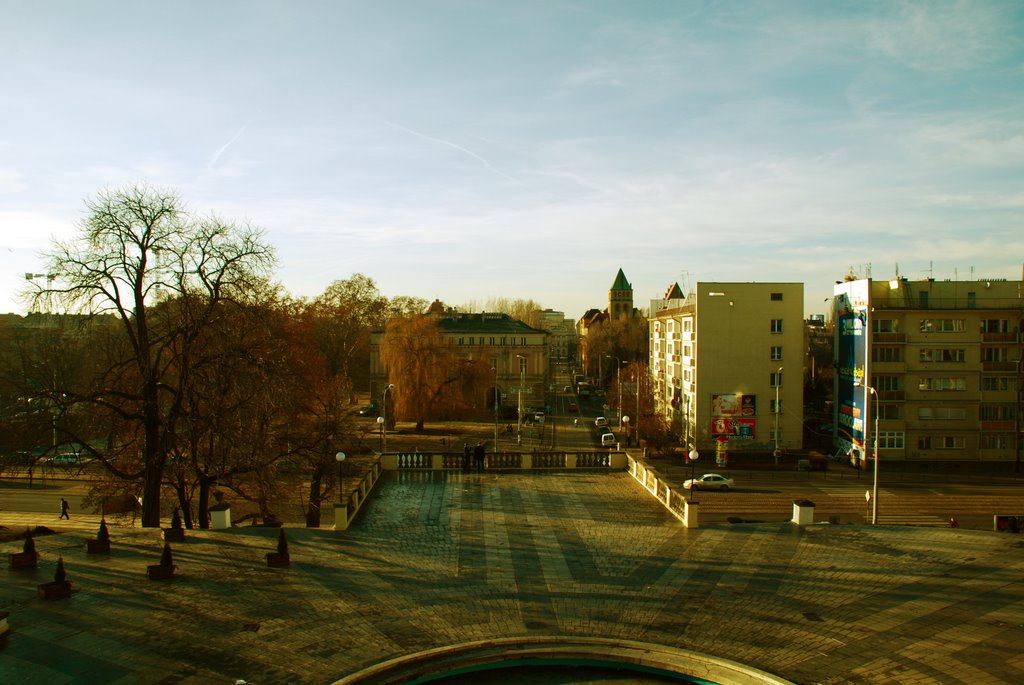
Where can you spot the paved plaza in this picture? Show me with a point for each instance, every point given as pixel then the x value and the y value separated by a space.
pixel 443 559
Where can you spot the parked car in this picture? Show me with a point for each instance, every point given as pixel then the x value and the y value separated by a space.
pixel 710 481
pixel 600 421
pixel 63 459
pixel 368 410
pixel 572 407
pixel 607 439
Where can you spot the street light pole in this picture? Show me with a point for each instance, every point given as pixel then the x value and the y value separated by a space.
pixel 874 485
pixel 384 418
pixel 618 382
pixel 693 456
pixel 340 458
pixel 495 404
pixel 522 383
pixel 778 410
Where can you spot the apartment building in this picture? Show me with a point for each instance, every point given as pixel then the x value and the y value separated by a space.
pixel 727 361
pixel 931 370
pixel 562 338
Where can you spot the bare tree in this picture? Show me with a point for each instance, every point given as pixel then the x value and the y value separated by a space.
pixel 163 275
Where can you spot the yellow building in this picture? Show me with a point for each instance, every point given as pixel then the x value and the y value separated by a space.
pixel 724 358
pixel 935 366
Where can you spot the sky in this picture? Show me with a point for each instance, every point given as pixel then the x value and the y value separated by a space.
pixel 468 150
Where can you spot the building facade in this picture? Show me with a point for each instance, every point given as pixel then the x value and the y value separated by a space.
pixel 517 354
pixel 726 363
pixel 929 370
pixel 620 306
pixel 562 334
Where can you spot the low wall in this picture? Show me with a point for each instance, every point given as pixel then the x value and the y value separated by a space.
pixel 506 461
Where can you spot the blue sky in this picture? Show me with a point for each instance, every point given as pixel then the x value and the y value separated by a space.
pixel 468 150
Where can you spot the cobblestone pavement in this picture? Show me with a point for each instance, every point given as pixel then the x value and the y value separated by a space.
pixel 440 559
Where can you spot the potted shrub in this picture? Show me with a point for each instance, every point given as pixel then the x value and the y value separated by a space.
pixel 60 587
pixel 101 545
pixel 280 558
pixel 165 569
pixel 176 533
pixel 27 557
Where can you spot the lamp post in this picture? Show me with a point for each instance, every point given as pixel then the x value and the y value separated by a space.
pixel 874 485
pixel 625 420
pixel 618 382
pixel 495 404
pixel 778 410
pixel 1016 423
pixel 636 419
pixel 522 383
pixel 383 418
pixel 340 458
pixel 693 456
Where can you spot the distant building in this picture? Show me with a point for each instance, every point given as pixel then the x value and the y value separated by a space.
pixel 620 306
pixel 562 338
pixel 935 365
pixel 726 363
pixel 488 335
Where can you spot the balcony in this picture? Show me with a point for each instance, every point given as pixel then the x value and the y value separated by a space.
pixel 999 337
pixel 892 395
pixel 999 366
pixel 888 337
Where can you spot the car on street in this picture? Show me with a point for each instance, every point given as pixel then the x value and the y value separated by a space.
pixel 63 459
pixel 600 421
pixel 710 481
pixel 369 410
pixel 572 407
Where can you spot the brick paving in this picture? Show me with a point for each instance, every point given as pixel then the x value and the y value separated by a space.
pixel 442 559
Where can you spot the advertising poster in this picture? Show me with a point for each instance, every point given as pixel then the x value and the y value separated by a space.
pixel 851 307
pixel 722 452
pixel 740 428
pixel 733 404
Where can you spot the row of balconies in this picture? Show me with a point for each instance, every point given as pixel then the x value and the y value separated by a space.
pixel 926 367
pixel 1010 338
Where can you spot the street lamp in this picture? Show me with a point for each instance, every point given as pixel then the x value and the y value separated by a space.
pixel 340 458
pixel 383 418
pixel 618 382
pixel 522 383
pixel 625 420
pixel 874 485
pixel 693 456
pixel 778 410
pixel 495 404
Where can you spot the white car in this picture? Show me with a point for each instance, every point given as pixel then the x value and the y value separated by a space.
pixel 710 481
pixel 600 421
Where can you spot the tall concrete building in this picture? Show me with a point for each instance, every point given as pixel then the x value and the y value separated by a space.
pixel 727 365
pixel 935 366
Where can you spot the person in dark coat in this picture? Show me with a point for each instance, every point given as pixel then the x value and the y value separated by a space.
pixel 65 508
pixel 465 456
pixel 478 456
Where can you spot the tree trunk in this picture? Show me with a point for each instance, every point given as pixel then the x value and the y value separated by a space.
pixel 183 504
pixel 205 484
pixel 151 498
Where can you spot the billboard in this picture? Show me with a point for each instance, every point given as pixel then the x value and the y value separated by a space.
pixel 733 404
pixel 741 428
pixel 851 307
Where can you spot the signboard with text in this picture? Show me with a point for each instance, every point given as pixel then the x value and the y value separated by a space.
pixel 741 428
pixel 734 404
pixel 851 309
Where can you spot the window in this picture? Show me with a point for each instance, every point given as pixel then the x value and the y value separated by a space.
pixel 922 300
pixel 942 384
pixel 776 325
pixel 776 353
pixel 996 441
pixel 994 354
pixel 472 340
pixel 776 434
pixel 886 354
pixel 883 326
pixel 928 355
pixel 686 350
pixel 997 412
pixel 995 326
pixel 942 413
pixel 940 442
pixel 889 412
pixel 942 325
pixel 890 440
pixel 774 408
pixel 972 300
pixel 687 325
pixel 776 379
pixel 885 383
pixel 996 383
pixel 776 297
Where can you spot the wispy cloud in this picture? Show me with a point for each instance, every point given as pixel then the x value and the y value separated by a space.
pixel 211 164
pixel 455 146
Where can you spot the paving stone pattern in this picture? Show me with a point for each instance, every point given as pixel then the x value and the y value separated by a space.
pixel 446 558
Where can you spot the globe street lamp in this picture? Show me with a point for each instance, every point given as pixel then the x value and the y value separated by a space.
pixel 693 456
pixel 625 420
pixel 340 458
pixel 522 384
pixel 618 382
pixel 383 418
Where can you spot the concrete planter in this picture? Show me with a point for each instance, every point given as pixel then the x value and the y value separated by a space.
pixel 160 572
pixel 24 559
pixel 278 559
pixel 220 516
pixel 803 512
pixel 58 589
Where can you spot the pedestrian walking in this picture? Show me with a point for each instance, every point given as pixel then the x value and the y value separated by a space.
pixel 65 508
pixel 478 456
pixel 465 457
